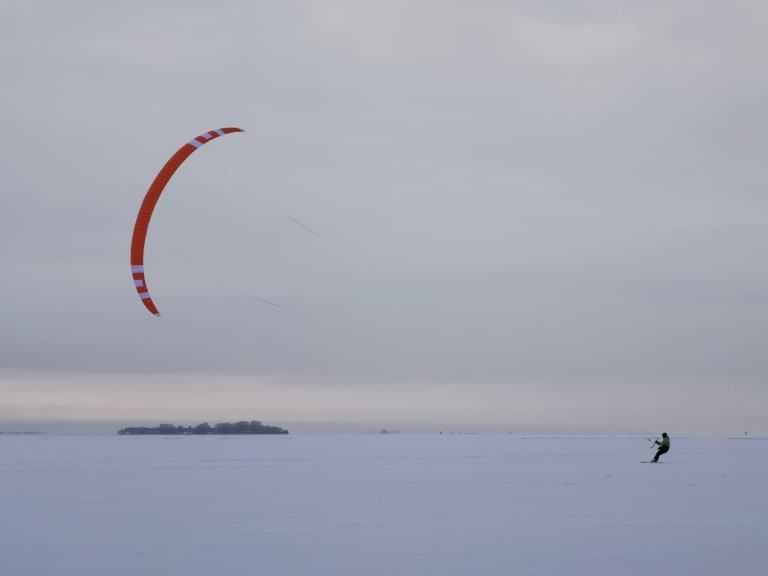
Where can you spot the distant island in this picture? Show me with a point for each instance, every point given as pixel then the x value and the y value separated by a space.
pixel 243 427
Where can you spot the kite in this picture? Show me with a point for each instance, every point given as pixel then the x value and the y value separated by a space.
pixel 148 206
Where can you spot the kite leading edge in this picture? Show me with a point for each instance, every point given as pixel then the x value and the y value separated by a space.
pixel 148 206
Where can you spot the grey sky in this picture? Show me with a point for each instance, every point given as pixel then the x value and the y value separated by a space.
pixel 527 214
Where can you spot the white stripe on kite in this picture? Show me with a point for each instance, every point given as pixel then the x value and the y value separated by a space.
pixel 139 283
pixel 195 143
pixel 137 269
pixel 219 132
pixel 144 295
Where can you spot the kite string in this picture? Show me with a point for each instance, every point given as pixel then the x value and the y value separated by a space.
pixel 245 192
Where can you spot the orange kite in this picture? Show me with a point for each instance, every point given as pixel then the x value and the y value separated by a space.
pixel 148 206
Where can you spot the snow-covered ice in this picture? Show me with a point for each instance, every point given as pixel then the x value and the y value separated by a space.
pixel 396 504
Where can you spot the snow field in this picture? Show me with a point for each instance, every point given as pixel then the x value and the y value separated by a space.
pixel 396 504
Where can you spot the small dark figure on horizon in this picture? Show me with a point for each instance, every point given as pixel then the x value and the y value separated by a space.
pixel 663 446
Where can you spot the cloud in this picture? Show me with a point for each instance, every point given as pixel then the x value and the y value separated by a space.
pixel 500 194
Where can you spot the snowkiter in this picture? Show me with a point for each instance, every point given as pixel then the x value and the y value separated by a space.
pixel 663 446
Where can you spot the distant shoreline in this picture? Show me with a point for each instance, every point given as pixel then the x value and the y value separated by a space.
pixel 242 427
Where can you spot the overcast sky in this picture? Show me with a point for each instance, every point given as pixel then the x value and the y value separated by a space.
pixel 474 215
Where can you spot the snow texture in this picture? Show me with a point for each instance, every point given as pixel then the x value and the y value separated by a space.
pixel 390 505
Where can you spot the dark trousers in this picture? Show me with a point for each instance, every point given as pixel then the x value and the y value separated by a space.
pixel 660 451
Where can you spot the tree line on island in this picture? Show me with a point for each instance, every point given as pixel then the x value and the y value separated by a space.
pixel 242 427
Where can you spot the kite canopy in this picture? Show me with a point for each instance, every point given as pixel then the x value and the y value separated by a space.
pixel 148 206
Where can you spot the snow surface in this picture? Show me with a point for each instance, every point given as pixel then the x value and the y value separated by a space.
pixel 382 505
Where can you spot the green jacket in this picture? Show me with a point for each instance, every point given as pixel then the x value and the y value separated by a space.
pixel 663 442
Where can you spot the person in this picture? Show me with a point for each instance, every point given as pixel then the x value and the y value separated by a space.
pixel 663 446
